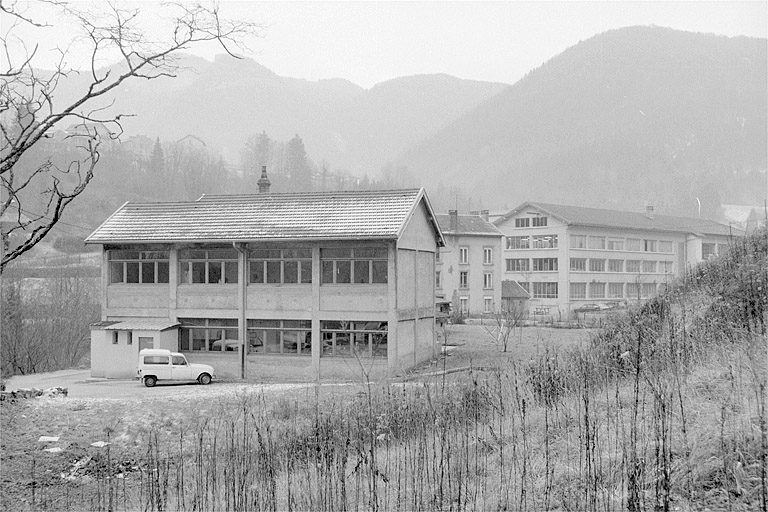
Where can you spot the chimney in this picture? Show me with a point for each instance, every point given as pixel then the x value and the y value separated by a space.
pixel 454 223
pixel 485 214
pixel 264 182
pixel 649 211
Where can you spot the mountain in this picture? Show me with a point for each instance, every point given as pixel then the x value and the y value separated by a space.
pixel 631 116
pixel 225 101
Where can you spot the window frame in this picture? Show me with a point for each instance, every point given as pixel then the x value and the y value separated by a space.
pixel 487 255
pixel 302 332
pixel 518 243
pixel 142 261
pixel 464 279
pixel 189 263
pixel 356 256
pixel 374 338
pixel 545 265
pixel 464 255
pixel 487 280
pixel 512 264
pixel 544 290
pixel 282 257
pixel 578 265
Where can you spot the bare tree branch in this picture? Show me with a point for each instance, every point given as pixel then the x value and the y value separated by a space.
pixel 29 112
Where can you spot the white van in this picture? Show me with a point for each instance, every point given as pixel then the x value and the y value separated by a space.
pixel 160 364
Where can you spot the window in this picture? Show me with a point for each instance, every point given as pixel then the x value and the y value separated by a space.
pixel 178 361
pixel 722 249
pixel 544 264
pixel 539 222
pixel 114 337
pixel 463 255
pixel 438 280
pixel 615 244
pixel 596 290
pixel 487 255
pixel 280 266
pixel 211 266
pixel 545 241
pixel 139 267
pixel 633 266
pixel 360 265
pixel 518 242
pixel 665 267
pixel 464 305
pixel 208 334
pixel 518 265
pixel 615 265
pixel 649 245
pixel 579 264
pixel 130 337
pixel 343 338
pixel 463 279
pixel 156 360
pixel 596 242
pixel 578 290
pixel 578 241
pixel 437 256
pixel 634 244
pixel 649 267
pixel 544 290
pixel 596 265
pixel 522 223
pixel 487 280
pixel 292 337
pixel 525 285
pixel 633 291
pixel 615 290
pixel 648 290
pixel 487 304
pixel 666 246
pixel 707 251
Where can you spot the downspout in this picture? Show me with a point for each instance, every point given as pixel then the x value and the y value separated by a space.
pixel 241 328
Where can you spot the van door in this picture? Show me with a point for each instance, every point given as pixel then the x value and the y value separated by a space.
pixel 180 370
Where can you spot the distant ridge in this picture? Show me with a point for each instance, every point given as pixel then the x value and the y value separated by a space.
pixel 631 116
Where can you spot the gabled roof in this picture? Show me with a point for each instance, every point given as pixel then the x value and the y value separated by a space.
pixel 580 216
pixel 468 225
pixel 512 290
pixel 352 215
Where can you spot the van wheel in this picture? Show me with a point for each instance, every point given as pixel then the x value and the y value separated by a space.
pixel 204 379
pixel 150 381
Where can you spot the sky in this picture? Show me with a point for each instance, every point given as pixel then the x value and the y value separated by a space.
pixel 371 42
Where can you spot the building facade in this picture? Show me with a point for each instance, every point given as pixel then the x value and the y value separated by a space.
pixel 303 285
pixel 568 256
pixel 468 268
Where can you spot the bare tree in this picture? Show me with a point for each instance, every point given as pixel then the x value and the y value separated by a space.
pixel 31 110
pixel 507 319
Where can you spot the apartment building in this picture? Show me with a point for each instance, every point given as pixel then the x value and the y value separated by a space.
pixel 567 256
pixel 468 268
pixel 301 285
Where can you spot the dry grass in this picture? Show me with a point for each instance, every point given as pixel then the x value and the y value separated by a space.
pixel 662 409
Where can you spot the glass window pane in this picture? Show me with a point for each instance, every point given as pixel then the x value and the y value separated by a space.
pixel 362 271
pixel 371 252
pixel 306 271
pixel 273 271
pixel 214 336
pixel 123 255
pixel 291 269
pixel 271 341
pixel 342 344
pixel 380 271
pixel 198 271
pixel 256 271
pixel 327 271
pixel 132 272
pixel 198 339
pixel 343 271
pixel 214 272
pixel 264 323
pixel 162 271
pixel 116 272
pixel 222 254
pixel 230 272
pixel 335 252
pixel 148 272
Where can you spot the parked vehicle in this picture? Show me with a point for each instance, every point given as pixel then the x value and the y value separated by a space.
pixel 161 364
pixel 585 308
pixel 442 311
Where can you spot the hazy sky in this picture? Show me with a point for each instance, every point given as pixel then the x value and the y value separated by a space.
pixel 370 42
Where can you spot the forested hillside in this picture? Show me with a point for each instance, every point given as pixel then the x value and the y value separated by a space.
pixel 635 115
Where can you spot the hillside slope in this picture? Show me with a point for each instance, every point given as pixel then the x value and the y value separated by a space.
pixel 641 114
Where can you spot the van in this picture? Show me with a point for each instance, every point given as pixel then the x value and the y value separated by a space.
pixel 161 364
